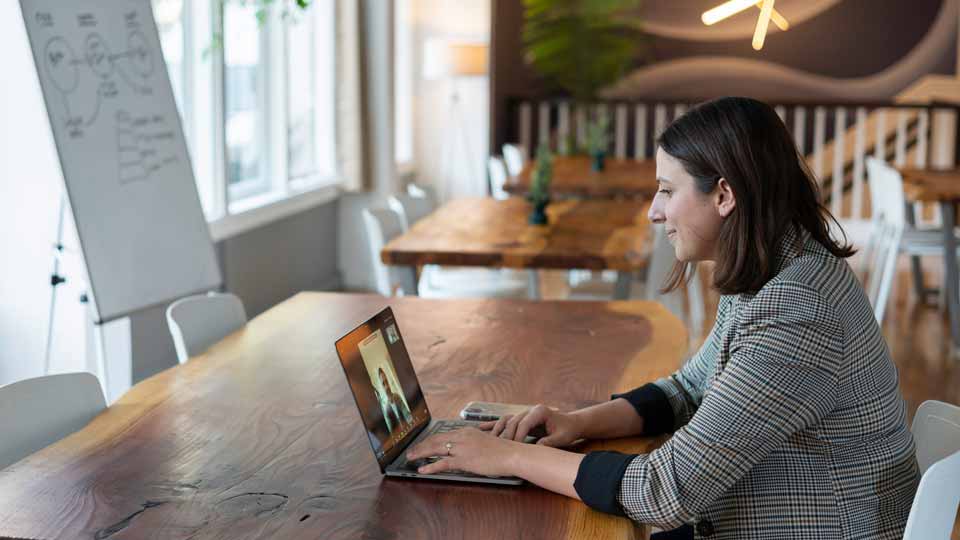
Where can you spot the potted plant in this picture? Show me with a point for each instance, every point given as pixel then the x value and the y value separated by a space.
pixel 540 180
pixel 598 141
pixel 581 46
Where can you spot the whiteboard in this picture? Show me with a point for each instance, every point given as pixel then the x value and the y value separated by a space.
pixel 122 153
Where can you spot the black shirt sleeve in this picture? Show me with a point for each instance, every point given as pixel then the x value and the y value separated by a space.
pixel 652 404
pixel 598 480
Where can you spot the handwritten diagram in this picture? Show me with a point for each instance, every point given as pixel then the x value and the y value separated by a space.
pixel 139 139
pixel 134 66
pixel 101 77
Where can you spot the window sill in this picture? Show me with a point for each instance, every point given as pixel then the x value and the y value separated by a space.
pixel 255 212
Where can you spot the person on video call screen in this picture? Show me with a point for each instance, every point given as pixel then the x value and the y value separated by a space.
pixel 383 377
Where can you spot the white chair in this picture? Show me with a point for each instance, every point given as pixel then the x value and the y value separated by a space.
pixel 385 224
pixel 199 321
pixel 936 430
pixel 498 178
pixel 411 209
pixel 515 156
pixel 886 190
pixel 422 192
pixel 41 411
pixel 880 258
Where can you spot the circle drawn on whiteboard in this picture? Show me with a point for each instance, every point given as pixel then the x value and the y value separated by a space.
pixel 61 64
pixel 98 56
pixel 141 57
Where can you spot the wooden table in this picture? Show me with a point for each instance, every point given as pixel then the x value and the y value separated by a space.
pixel 588 234
pixel 572 177
pixel 260 437
pixel 942 187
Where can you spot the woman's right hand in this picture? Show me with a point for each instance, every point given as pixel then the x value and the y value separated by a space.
pixel 562 429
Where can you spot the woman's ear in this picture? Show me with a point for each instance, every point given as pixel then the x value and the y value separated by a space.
pixel 724 200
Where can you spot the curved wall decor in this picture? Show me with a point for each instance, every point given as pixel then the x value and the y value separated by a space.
pixel 687 78
pixel 678 20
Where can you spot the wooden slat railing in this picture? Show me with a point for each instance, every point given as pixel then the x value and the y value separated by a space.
pixel 836 138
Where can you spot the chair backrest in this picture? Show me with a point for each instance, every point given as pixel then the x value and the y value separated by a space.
pixel 41 411
pixel 886 191
pixel 880 259
pixel 422 191
pixel 936 430
pixel 411 209
pixel 515 156
pixel 199 321
pixel 661 262
pixel 383 225
pixel 498 177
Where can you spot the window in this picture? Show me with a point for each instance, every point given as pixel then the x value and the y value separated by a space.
pixel 310 95
pixel 244 101
pixel 403 82
pixel 257 97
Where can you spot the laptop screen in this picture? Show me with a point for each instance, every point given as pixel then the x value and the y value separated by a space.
pixel 383 383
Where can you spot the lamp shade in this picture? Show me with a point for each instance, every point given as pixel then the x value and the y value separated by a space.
pixel 468 59
pixel 444 58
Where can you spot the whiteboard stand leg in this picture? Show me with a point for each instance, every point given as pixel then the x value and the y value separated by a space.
pixel 102 360
pixel 55 279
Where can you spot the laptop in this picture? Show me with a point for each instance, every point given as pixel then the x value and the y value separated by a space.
pixel 388 395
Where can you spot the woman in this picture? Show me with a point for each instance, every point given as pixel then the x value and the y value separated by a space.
pixel 392 404
pixel 788 422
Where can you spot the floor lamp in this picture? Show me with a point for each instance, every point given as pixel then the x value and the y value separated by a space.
pixel 454 61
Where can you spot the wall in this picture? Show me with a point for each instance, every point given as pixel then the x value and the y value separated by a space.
pixel 29 197
pixel 263 266
pixel 461 132
pixel 836 50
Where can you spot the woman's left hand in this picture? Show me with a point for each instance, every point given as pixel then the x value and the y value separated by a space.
pixel 469 450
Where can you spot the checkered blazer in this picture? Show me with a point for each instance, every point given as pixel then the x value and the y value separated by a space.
pixel 788 421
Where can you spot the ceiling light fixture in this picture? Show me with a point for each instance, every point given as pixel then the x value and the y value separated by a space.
pixel 732 7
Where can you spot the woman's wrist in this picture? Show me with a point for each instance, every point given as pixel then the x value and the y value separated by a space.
pixel 515 457
pixel 581 421
pixel 611 419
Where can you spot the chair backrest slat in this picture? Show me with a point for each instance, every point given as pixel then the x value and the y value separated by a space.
pixel 43 410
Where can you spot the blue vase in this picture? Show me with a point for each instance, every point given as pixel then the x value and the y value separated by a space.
pixel 597 164
pixel 539 214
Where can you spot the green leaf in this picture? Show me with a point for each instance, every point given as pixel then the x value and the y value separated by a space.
pixel 582 45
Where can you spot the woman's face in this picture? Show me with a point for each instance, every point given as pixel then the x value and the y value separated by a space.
pixel 691 219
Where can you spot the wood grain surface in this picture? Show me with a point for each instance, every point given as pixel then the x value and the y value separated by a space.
pixel 572 177
pixel 259 437
pixel 592 234
pixel 928 185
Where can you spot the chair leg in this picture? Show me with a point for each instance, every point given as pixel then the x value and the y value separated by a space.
pixel 917 272
pixel 533 284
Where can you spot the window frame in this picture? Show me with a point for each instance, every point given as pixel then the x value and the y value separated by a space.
pixel 233 209
pixel 406 73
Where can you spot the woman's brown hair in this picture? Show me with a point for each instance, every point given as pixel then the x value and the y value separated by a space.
pixel 744 141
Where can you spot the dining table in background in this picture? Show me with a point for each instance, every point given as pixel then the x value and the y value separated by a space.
pixel 940 186
pixel 573 177
pixel 591 234
pixel 260 437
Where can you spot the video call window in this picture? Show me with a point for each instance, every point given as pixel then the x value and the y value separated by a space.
pixel 383 376
pixel 383 382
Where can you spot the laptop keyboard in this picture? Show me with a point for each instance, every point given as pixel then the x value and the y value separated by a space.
pixel 443 427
